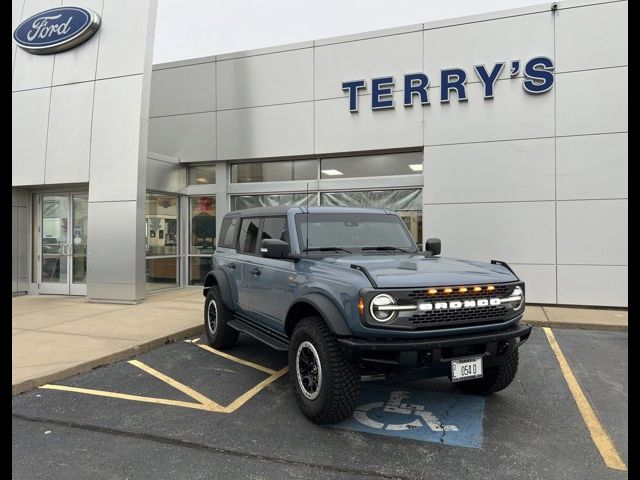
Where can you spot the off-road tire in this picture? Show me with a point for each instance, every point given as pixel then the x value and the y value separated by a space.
pixel 340 385
pixel 224 336
pixel 495 378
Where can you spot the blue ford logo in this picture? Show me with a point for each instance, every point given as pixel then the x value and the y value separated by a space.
pixel 56 30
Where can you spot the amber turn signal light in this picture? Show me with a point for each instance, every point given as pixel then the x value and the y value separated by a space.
pixel 361 306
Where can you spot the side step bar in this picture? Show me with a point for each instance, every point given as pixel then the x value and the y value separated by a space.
pixel 273 339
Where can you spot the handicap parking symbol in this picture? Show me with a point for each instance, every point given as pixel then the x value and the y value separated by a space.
pixel 447 418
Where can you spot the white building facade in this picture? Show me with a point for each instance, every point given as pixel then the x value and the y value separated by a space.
pixel 503 134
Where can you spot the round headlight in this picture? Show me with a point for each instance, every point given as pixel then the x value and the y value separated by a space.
pixel 377 308
pixel 518 298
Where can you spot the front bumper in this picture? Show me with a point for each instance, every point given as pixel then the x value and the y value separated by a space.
pixel 435 353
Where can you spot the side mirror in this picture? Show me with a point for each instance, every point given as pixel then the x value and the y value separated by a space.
pixel 433 245
pixel 274 248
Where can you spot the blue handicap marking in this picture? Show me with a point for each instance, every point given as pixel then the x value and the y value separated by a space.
pixel 447 418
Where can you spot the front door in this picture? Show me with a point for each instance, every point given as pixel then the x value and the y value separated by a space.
pixel 62 255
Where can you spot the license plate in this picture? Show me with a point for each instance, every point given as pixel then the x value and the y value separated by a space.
pixel 466 369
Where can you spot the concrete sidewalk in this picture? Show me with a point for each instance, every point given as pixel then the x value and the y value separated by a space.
pixel 55 337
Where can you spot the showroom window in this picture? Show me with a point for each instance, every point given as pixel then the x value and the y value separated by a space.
pixel 201 175
pixel 279 171
pixel 202 237
pixel 372 165
pixel 241 202
pixel 162 241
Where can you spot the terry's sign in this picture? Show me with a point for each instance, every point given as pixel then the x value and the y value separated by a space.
pixel 538 78
pixel 56 30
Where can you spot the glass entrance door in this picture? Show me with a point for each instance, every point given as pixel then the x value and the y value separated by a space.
pixel 63 244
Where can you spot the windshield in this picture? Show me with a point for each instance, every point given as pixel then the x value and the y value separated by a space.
pixel 353 232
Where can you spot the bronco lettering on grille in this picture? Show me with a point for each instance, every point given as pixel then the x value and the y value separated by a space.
pixel 455 304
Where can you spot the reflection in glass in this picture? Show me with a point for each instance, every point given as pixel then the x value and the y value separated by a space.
pixel 162 273
pixel 161 224
pixel 372 165
pixel 241 202
pixel 55 217
pixel 79 238
pixel 202 211
pixel 202 174
pixel 279 171
pixel 198 269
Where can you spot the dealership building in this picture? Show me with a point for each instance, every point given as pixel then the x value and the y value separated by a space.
pixel 502 134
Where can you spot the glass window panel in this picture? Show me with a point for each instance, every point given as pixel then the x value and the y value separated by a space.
pixel 274 171
pixel 249 235
pixel 275 227
pixel 202 211
pixel 161 273
pixel 79 246
pixel 241 202
pixel 228 232
pixel 54 238
pixel 198 269
pixel 372 165
pixel 161 224
pixel 202 174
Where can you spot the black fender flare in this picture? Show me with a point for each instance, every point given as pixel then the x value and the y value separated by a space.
pixel 327 309
pixel 218 278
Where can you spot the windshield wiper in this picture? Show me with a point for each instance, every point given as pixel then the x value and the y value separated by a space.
pixel 326 249
pixel 386 247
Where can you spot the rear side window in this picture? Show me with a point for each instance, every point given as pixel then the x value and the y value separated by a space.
pixel 228 232
pixel 248 240
pixel 275 227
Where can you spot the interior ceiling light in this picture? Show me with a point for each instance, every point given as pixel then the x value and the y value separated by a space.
pixel 416 167
pixel 201 180
pixel 332 172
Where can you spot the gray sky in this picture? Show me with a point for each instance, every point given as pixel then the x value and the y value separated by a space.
pixel 198 28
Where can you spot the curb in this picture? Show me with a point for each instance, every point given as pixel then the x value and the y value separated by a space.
pixel 579 325
pixel 130 352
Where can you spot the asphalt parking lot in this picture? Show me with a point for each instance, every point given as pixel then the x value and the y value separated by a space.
pixel 186 411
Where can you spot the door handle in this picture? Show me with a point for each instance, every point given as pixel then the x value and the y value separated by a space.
pixel 256 272
pixel 232 266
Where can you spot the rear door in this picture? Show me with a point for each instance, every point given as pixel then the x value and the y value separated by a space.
pixel 247 250
pixel 269 278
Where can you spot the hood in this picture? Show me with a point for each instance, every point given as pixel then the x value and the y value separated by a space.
pixel 416 270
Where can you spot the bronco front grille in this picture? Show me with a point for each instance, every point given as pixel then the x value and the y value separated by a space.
pixel 447 318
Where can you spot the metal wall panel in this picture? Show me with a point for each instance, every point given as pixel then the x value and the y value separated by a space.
pixel 593 101
pixel 518 232
pixel 69 138
pixel 339 130
pixel 163 176
pixel 79 64
pixel 14 248
pixel 515 170
pixel 593 285
pixel 540 282
pixel 266 131
pixel 29 122
pixel 283 77
pixel 115 139
pixel 110 241
pixel 181 90
pixel 33 71
pixel 592 37
pixel 355 60
pixel 16 18
pixel 592 166
pixel 488 42
pixel 124 37
pixel 593 232
pixel 512 114
pixel 190 137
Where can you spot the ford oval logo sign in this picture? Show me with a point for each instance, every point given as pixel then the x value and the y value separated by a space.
pixel 56 30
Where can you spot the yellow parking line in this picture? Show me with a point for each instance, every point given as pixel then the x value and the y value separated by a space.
pixel 175 384
pixel 137 398
pixel 245 397
pixel 599 435
pixel 237 360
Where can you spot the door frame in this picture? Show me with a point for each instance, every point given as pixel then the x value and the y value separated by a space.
pixel 68 288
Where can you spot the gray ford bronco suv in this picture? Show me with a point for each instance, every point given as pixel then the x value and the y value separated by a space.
pixel 346 291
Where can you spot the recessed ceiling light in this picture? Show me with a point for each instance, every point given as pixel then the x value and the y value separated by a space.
pixel 201 180
pixel 416 167
pixel 332 172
